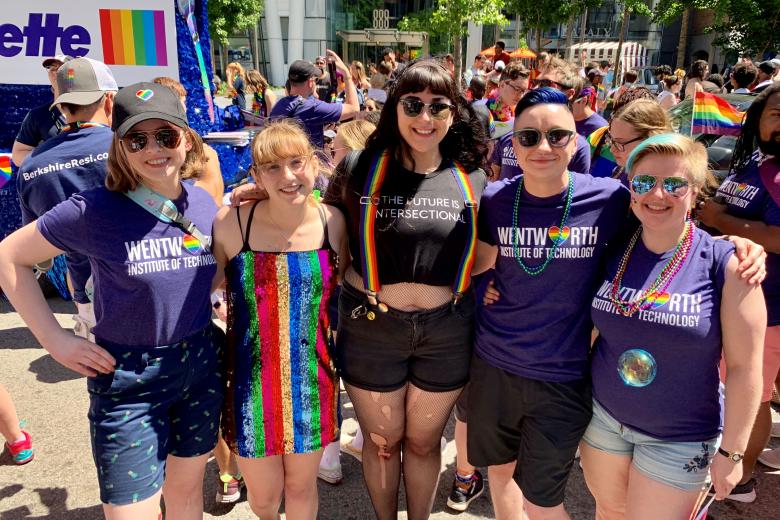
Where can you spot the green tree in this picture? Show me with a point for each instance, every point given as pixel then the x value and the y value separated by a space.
pixel 629 7
pixel 740 25
pixel 451 17
pixel 438 39
pixel 362 12
pixel 228 16
pixel 539 15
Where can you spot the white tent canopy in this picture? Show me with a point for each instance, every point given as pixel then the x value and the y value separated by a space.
pixel 633 55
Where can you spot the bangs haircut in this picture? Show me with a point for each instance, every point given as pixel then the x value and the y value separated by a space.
pixel 280 139
pixel 465 141
pixel 693 155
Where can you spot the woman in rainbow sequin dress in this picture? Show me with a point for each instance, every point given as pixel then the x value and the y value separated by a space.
pixel 669 306
pixel 281 263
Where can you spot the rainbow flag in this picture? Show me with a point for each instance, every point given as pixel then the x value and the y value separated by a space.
pixel 714 115
pixel 133 37
pixel 5 169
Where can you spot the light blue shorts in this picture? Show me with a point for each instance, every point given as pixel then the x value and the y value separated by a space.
pixel 681 465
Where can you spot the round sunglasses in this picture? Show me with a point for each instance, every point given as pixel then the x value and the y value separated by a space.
pixel 530 137
pixel 413 107
pixel 674 186
pixel 165 137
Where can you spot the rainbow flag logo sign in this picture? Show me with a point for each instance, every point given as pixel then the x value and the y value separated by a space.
pixel 714 115
pixel 133 37
pixel 5 169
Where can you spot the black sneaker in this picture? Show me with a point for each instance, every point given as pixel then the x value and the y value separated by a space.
pixel 744 492
pixel 463 494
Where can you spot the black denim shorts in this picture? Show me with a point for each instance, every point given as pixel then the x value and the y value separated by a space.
pixel 430 349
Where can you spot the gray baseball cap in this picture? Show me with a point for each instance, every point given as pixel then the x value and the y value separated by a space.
pixel 62 58
pixel 83 81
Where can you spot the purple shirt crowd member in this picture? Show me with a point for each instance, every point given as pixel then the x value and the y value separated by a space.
pixel 311 112
pixel 156 360
pixel 504 163
pixel 74 160
pixel 670 304
pixel 748 204
pixel 546 232
pixel 406 319
pixel 590 124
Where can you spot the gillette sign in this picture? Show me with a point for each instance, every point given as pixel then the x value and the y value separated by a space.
pixel 135 38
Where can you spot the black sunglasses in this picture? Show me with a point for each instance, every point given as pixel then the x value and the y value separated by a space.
pixel 530 137
pixel 413 107
pixel 541 83
pixel 621 147
pixel 165 137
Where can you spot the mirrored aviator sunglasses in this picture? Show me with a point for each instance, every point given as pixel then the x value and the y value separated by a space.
pixel 165 137
pixel 674 186
pixel 414 107
pixel 530 137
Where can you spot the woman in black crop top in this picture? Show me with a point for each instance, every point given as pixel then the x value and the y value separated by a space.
pixel 405 325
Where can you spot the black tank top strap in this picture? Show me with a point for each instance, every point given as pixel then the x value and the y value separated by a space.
pixel 245 246
pixel 324 219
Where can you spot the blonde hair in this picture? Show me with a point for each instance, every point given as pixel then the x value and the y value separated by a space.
pixel 646 116
pixel 693 155
pixel 231 70
pixel 355 133
pixel 172 84
pixel 121 177
pixel 361 71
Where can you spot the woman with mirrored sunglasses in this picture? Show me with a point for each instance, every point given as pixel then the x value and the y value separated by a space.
pixel 406 308
pixel 669 305
pixel 154 371
pixel 548 232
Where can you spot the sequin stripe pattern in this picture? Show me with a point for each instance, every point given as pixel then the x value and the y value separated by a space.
pixel 283 381
pixel 369 204
pixel 463 278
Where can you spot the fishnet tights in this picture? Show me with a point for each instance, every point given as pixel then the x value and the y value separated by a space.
pixel 410 420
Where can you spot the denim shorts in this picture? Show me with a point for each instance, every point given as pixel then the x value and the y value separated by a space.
pixel 681 465
pixel 430 349
pixel 159 401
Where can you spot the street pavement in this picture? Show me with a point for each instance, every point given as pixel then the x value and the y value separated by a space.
pixel 60 484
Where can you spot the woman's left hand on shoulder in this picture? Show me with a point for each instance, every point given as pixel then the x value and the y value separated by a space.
pixel 752 259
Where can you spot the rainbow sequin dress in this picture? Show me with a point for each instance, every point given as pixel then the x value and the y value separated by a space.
pixel 282 389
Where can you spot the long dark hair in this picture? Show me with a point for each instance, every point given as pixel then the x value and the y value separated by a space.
pixel 748 138
pixel 465 141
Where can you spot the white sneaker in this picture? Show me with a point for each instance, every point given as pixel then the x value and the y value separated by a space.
pixel 770 458
pixel 775 430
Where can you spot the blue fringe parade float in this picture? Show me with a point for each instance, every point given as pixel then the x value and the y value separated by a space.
pixel 50 27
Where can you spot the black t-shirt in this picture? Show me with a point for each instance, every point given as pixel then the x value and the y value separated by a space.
pixel 40 124
pixel 323 87
pixel 421 223
pixel 240 97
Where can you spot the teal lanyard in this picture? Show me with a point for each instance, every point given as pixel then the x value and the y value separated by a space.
pixel 165 210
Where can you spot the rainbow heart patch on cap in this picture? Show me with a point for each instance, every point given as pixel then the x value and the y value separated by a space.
pixel 658 299
pixel 558 235
pixel 191 244
pixel 144 94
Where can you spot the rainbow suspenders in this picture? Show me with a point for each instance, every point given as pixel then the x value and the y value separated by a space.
pixel 369 203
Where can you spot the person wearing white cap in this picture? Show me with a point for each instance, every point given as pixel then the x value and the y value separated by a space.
pixel 74 160
pixel 41 122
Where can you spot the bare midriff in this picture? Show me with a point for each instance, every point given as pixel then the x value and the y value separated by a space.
pixel 407 297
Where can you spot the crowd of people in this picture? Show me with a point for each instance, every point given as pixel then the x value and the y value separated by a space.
pixel 528 247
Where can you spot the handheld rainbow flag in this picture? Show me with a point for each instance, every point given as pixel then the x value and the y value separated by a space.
pixel 5 169
pixel 714 115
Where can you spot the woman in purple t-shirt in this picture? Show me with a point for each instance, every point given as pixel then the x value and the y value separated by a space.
pixel 671 303
pixel 154 371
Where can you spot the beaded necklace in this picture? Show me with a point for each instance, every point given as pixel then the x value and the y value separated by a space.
pixel 645 300
pixel 539 269
pixel 78 125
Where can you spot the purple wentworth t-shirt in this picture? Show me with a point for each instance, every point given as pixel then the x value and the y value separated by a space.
pixel 504 156
pixel 313 113
pixel 590 124
pixel 746 197
pixel 152 280
pixel 680 336
pixel 540 327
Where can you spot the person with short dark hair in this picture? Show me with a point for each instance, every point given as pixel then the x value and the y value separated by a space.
pixel 314 113
pixel 500 53
pixel 696 75
pixel 743 75
pixel 766 72
pixel 475 70
pixel 42 122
